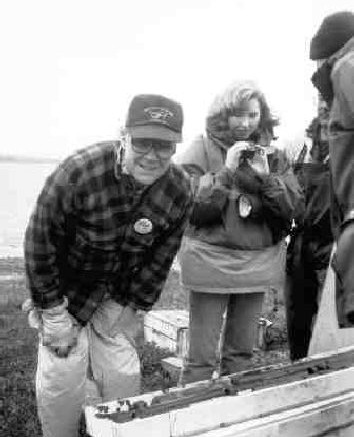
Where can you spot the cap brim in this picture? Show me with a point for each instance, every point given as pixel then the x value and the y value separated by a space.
pixel 157 132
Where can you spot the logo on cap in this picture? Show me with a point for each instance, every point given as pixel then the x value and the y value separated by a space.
pixel 160 115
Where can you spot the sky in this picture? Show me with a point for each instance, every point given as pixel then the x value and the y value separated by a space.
pixel 70 67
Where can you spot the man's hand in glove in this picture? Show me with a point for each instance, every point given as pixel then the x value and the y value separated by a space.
pixel 58 329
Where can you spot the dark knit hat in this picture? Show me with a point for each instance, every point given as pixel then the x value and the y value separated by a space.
pixel 335 30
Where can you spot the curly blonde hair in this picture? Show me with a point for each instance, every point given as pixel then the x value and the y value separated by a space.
pixel 225 103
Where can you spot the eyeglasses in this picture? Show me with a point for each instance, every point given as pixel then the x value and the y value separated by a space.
pixel 163 149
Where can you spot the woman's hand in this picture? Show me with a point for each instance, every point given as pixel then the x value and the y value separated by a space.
pixel 259 162
pixel 234 153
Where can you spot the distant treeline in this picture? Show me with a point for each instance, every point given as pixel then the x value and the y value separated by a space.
pixel 27 159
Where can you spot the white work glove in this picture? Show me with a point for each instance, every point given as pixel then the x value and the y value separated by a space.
pixel 34 316
pixel 58 329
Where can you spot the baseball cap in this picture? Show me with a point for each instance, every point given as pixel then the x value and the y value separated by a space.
pixel 155 116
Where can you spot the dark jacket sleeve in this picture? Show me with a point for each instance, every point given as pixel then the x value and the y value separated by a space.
pixel 210 199
pixel 281 194
pixel 45 231
pixel 209 195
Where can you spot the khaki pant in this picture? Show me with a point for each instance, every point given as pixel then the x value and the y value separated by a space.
pixel 214 341
pixel 103 366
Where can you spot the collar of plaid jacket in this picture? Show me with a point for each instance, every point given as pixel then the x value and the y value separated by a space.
pixel 119 155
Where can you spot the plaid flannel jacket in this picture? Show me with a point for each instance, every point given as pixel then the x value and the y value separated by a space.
pixel 84 238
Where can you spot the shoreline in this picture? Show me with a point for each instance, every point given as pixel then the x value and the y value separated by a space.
pixel 11 254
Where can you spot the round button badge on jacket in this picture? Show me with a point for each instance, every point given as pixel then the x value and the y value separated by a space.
pixel 244 206
pixel 143 226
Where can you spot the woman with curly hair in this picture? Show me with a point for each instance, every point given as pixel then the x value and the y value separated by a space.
pixel 234 249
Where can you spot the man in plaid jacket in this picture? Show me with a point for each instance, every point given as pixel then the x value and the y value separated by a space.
pixel 98 248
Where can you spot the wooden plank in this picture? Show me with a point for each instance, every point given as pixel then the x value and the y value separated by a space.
pixel 326 418
pixel 209 415
pixel 168 329
pixel 243 406
pixel 160 402
pixel 326 335
pixel 172 366
pixel 157 426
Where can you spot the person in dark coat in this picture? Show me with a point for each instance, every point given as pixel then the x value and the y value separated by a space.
pixel 310 243
pixel 333 48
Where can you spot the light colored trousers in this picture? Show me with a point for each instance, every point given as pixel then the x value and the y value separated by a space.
pixel 103 366
pixel 215 341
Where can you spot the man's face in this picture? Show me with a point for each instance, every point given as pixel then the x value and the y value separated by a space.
pixel 147 159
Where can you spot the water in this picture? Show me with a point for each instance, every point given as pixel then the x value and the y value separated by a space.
pixel 20 184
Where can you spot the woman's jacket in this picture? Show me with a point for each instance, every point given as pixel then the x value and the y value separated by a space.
pixel 235 241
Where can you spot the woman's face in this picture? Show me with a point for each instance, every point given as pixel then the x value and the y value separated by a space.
pixel 245 119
